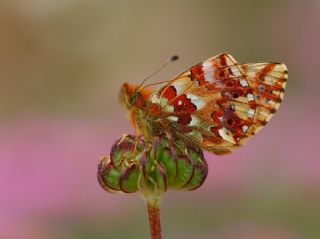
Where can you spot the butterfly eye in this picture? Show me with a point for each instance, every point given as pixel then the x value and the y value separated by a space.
pixel 133 98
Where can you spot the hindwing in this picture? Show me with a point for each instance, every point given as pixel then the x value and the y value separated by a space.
pixel 217 104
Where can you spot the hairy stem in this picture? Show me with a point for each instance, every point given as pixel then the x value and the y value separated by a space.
pixel 153 207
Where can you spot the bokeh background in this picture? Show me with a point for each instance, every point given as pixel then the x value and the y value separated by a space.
pixel 61 65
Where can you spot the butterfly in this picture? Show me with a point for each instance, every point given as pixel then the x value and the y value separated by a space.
pixel 215 105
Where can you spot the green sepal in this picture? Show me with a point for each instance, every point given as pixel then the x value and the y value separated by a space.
pixel 170 164
pixel 153 180
pixel 129 179
pixel 184 172
pixel 108 176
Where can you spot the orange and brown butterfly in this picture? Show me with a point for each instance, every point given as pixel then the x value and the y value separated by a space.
pixel 215 105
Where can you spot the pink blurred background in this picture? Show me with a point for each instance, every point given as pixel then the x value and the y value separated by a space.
pixel 61 65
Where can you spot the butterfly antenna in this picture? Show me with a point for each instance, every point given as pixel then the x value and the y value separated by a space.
pixel 170 59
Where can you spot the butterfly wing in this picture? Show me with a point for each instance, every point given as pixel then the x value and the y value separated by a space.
pixel 217 104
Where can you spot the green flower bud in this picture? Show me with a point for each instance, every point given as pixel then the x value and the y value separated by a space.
pixel 120 171
pixel 134 165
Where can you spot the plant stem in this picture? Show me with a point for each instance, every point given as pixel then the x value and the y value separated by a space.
pixel 153 207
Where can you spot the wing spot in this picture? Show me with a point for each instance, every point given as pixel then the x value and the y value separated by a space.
pixel 232 107
pixel 168 92
pixel 222 74
pixel 243 83
pixel 235 71
pixel 194 120
pixel 230 122
pixel 168 108
pixel 229 84
pixel 196 100
pixel 225 134
pixel 250 97
pixel 244 128
pixel 178 87
pixel 235 95
pixel 184 119
pixel 261 88
pixel 250 112
pixel 179 102
pixel 155 99
pixel 172 118
pixel 206 70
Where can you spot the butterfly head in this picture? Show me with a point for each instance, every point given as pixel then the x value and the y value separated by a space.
pixel 136 96
pixel 132 96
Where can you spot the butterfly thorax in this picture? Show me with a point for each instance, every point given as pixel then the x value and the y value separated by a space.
pixel 135 100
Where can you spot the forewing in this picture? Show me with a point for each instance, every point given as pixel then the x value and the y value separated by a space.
pixel 217 104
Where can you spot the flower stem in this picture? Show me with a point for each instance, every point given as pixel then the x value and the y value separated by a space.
pixel 153 207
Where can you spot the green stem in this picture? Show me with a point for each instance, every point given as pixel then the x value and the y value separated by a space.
pixel 153 207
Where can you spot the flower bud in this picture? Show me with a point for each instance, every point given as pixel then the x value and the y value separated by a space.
pixel 135 165
pixel 119 172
